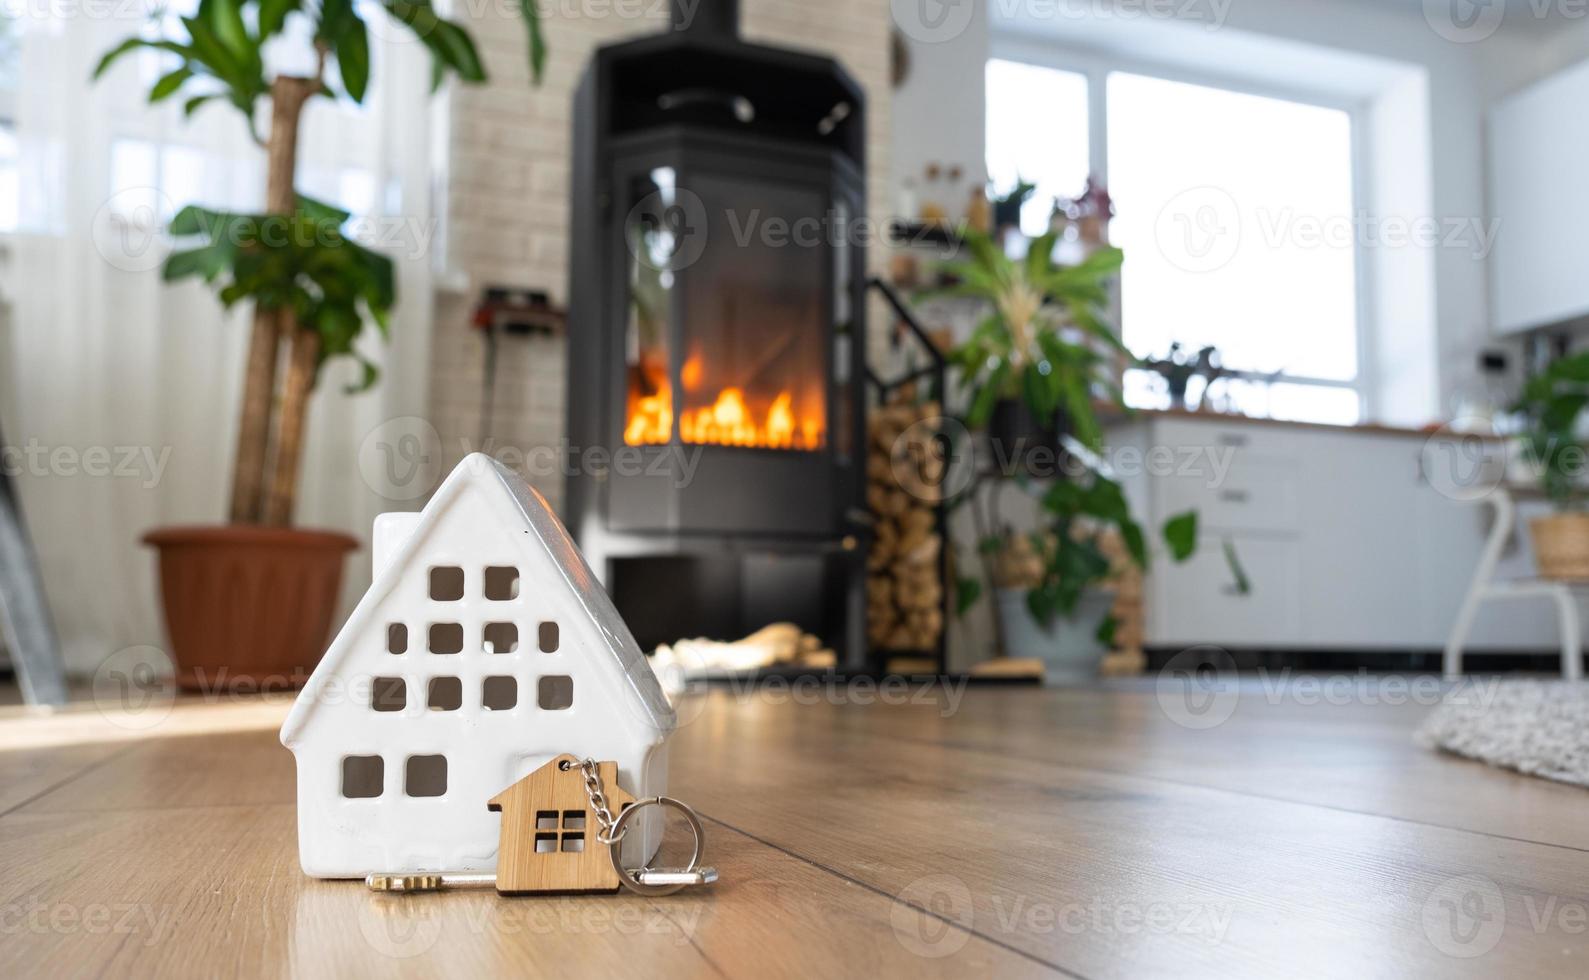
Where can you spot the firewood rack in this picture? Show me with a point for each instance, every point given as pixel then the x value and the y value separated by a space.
pixel 935 373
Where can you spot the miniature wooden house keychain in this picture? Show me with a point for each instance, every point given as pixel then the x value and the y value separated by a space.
pixel 484 716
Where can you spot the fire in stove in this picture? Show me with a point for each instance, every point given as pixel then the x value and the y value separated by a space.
pixel 731 418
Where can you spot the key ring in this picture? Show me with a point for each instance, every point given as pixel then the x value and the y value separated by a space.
pixel 628 877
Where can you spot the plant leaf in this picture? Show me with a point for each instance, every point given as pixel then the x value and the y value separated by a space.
pixel 226 19
pixel 335 18
pixel 169 83
pixel 532 24
pixel 967 592
pixel 353 59
pixel 986 397
pixel 460 51
pixel 1180 534
pixel 320 211
pixel 369 374
pixel 192 105
pixel 1039 256
pixel 273 15
pixel 134 43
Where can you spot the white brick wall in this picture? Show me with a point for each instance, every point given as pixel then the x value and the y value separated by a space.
pixel 507 193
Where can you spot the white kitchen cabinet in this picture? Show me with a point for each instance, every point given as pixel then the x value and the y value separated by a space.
pixel 1201 599
pixel 1538 144
pixel 1346 544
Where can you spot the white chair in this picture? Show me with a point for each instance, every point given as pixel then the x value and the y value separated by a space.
pixel 1485 588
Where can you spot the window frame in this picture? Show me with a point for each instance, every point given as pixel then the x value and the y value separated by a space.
pixel 1097 67
pixel 9 111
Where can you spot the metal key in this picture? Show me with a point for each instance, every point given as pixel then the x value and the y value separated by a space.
pixel 451 882
pixel 428 882
pixel 675 876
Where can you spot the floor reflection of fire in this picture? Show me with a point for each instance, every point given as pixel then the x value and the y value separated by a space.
pixel 728 420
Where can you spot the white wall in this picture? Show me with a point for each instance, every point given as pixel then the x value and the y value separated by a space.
pixel 940 109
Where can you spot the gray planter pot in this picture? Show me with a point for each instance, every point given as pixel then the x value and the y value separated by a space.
pixel 1068 647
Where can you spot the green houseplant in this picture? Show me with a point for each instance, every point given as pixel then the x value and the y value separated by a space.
pixel 1551 405
pixel 1043 356
pixel 253 599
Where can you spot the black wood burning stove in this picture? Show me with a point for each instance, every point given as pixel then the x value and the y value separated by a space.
pixel 716 330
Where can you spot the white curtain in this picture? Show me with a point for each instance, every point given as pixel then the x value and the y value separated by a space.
pixel 120 392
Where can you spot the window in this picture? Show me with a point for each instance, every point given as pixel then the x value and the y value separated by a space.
pixel 500 637
pixel 1037 132
pixel 425 775
pixel 446 694
pixel 363 776
pixel 499 693
pixel 446 638
pixel 502 583
pixel 1235 212
pixel 389 694
pixel 446 583
pixel 547 637
pixel 11 29
pixel 1237 216
pixel 547 825
pixel 396 638
pixel 555 692
pixel 10 186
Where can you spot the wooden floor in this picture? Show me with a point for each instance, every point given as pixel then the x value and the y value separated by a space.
pixel 1011 832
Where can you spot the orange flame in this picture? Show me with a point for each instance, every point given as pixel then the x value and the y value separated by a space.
pixel 728 421
pixel 690 374
pixel 650 418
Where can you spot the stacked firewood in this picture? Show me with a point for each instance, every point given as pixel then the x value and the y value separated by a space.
pixel 905 472
pixel 1125 579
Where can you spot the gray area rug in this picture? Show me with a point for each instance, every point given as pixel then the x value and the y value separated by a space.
pixel 1536 727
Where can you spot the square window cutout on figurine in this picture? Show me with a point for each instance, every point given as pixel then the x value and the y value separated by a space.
pixel 487 589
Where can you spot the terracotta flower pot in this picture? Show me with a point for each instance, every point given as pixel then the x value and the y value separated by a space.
pixel 248 606
pixel 1561 545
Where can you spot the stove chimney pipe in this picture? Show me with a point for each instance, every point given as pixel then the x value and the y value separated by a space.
pixel 718 18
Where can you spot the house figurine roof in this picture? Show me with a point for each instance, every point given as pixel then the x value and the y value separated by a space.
pixel 524 514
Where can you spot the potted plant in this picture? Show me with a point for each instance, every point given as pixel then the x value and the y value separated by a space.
pixel 1031 365
pixel 1007 207
pixel 252 600
pixel 1045 353
pixel 1180 366
pixel 1551 406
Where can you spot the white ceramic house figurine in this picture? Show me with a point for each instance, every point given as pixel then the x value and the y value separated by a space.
pixel 484 648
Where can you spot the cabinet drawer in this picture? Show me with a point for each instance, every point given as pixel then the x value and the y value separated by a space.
pixel 1198 602
pixel 1248 440
pixel 1252 496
